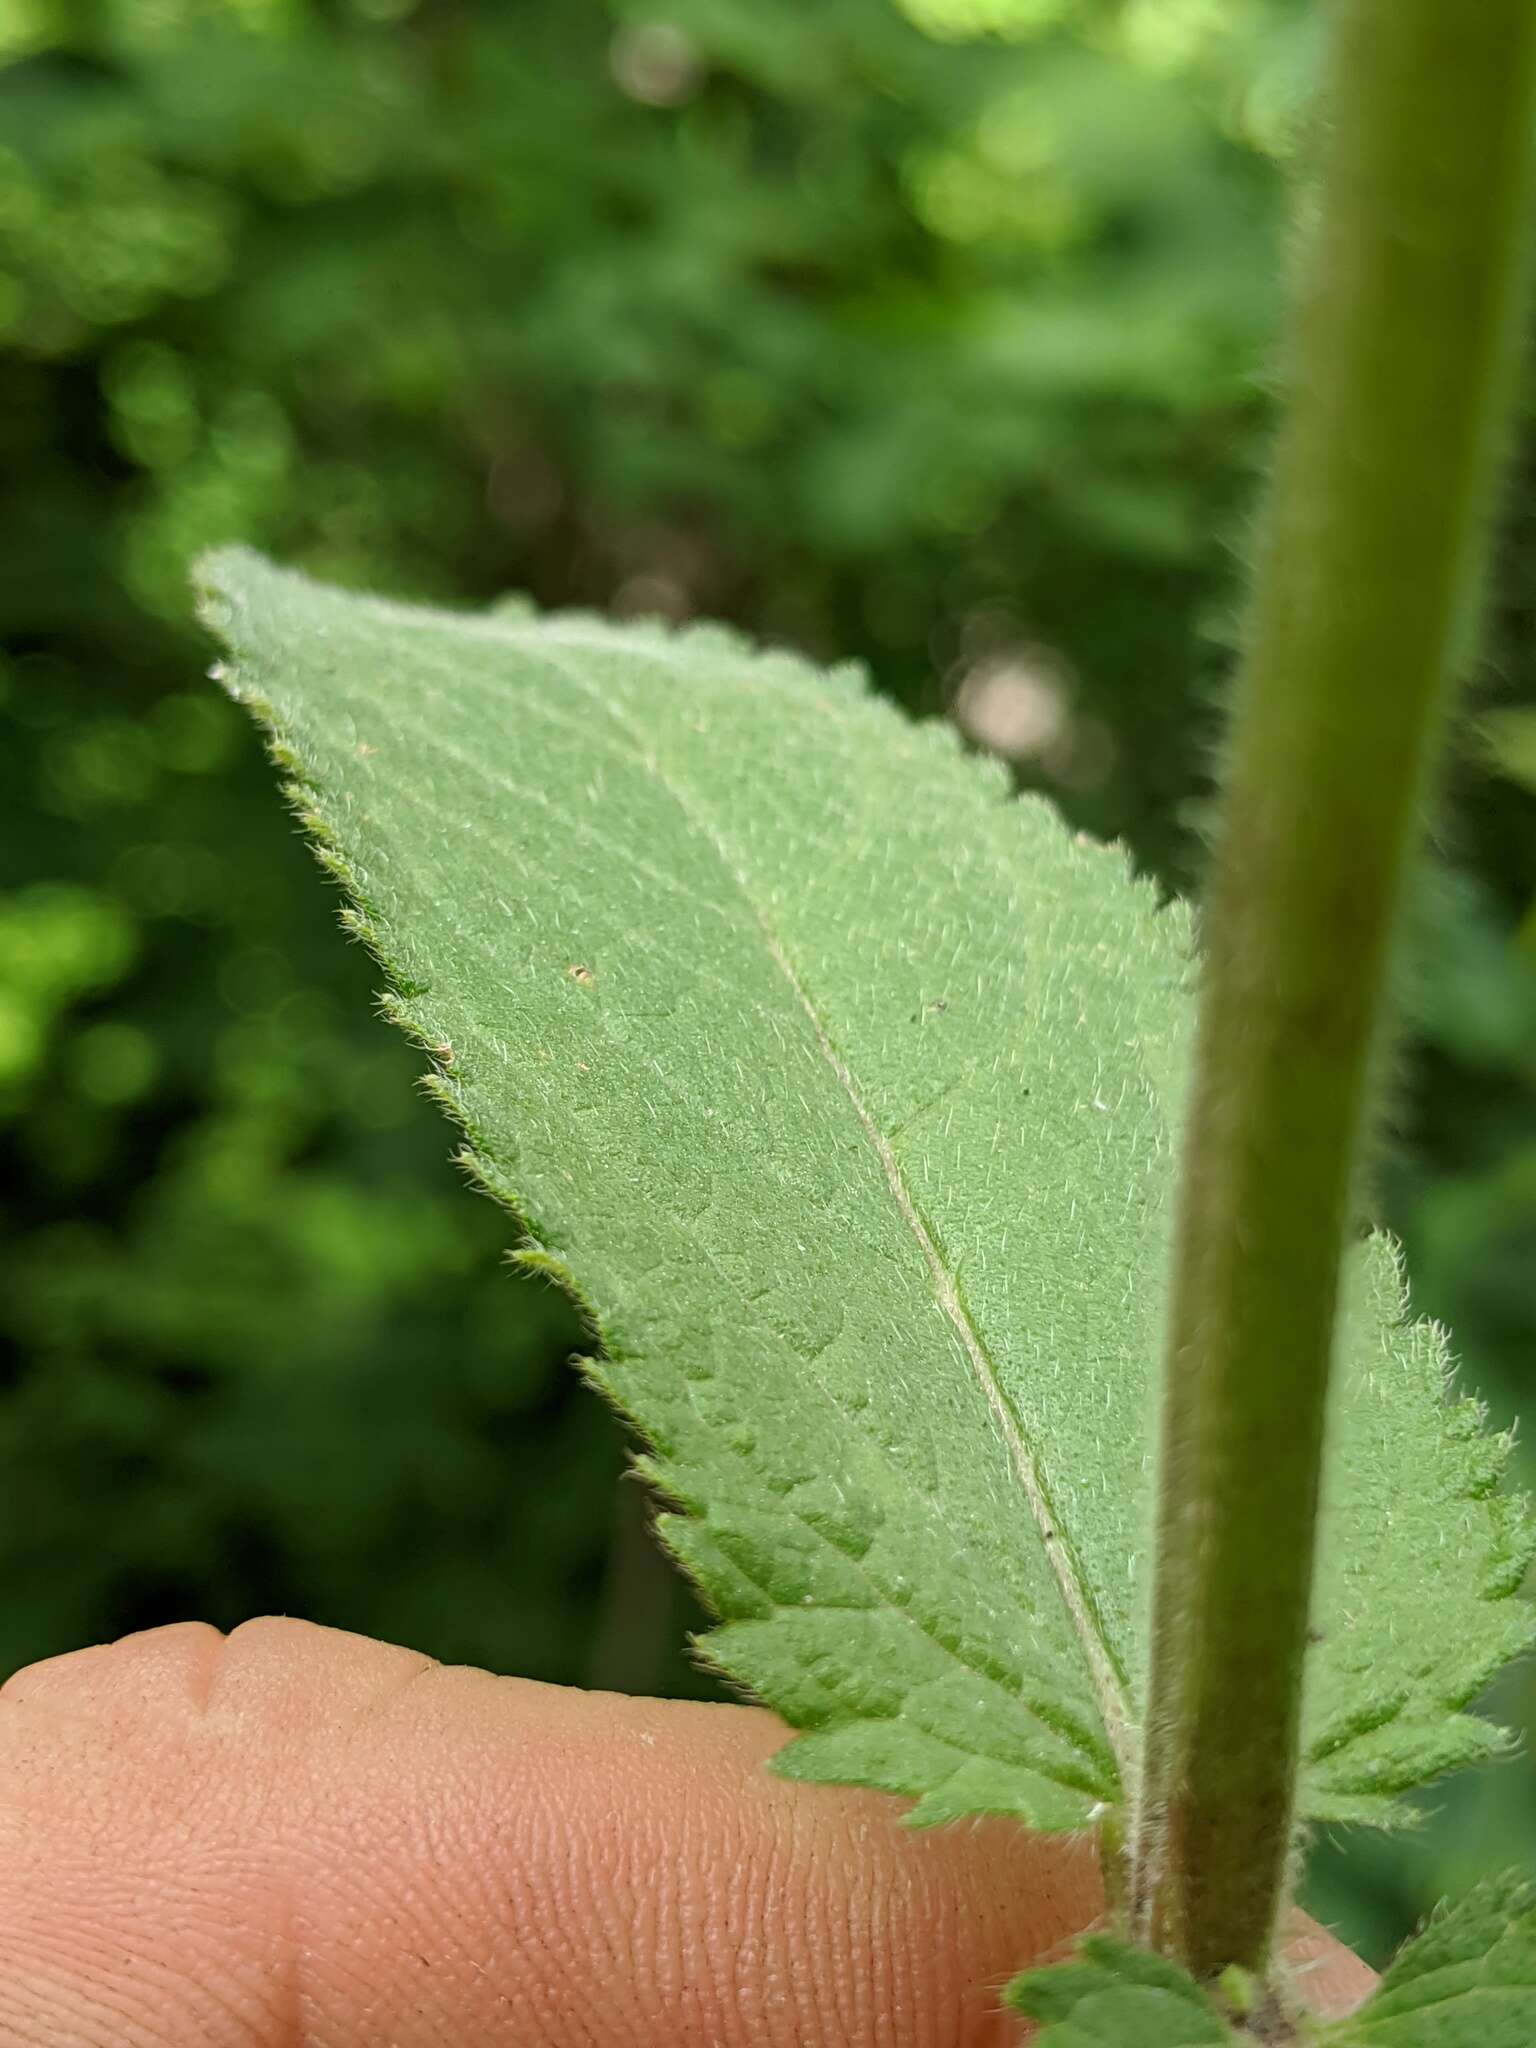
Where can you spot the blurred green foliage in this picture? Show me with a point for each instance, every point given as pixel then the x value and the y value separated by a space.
pixel 929 330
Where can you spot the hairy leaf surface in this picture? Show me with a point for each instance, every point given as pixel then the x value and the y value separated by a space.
pixel 842 1087
pixel 1110 1995
pixel 1468 1981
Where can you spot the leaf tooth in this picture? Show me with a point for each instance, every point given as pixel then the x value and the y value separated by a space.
pixel 1401 1756
pixel 1360 1716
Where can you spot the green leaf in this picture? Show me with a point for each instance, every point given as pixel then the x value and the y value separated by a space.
pixel 1113 1996
pixel 1468 1981
pixel 841 1086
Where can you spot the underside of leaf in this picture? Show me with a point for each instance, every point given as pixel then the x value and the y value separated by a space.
pixel 841 1087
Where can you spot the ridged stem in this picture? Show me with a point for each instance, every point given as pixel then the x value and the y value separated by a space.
pixel 1363 608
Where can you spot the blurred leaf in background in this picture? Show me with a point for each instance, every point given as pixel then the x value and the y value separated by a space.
pixel 934 331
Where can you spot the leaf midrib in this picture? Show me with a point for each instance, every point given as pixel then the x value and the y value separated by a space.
pixel 1075 1597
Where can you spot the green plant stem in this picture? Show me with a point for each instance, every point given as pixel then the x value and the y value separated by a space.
pixel 1363 607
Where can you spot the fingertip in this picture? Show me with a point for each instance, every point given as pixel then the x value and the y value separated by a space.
pixel 295 1833
pixel 157 1665
pixel 1329 1979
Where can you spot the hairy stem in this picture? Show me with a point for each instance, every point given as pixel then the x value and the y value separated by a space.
pixel 1363 607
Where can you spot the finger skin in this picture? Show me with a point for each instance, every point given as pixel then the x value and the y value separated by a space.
pixel 297 1838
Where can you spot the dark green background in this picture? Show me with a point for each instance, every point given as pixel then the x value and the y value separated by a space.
pixel 936 333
